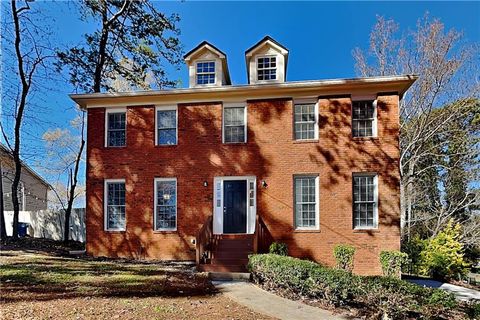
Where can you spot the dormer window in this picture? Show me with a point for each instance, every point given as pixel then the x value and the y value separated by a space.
pixel 205 72
pixel 266 68
pixel 266 62
pixel 207 66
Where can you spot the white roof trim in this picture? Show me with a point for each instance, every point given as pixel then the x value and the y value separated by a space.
pixel 208 47
pixel 392 83
pixel 270 43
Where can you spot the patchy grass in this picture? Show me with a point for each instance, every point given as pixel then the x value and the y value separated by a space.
pixel 41 285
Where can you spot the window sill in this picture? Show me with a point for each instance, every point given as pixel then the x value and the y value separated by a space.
pixel 306 231
pixel 235 143
pixel 372 230
pixel 173 231
pixel 365 138
pixel 165 145
pixel 306 141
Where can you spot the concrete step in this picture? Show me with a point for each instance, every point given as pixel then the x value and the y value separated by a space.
pixel 235 261
pixel 222 268
pixel 234 245
pixel 229 276
pixel 231 254
pixel 235 237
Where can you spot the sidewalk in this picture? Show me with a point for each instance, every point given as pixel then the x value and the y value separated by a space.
pixel 461 293
pixel 272 305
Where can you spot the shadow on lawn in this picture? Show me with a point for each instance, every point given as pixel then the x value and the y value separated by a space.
pixel 42 278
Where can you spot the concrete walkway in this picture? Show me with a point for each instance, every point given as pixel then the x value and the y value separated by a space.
pixel 270 304
pixel 461 293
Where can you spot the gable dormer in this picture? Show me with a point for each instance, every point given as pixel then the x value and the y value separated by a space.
pixel 266 62
pixel 207 66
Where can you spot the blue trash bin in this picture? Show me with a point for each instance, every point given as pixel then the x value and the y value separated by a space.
pixel 22 229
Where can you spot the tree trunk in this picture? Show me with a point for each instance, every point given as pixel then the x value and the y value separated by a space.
pixel 73 184
pixel 18 118
pixel 3 230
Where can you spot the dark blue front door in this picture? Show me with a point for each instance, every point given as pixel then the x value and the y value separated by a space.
pixel 234 206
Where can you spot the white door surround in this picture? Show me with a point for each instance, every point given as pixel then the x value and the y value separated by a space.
pixel 218 202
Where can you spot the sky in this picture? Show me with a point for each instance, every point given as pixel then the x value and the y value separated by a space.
pixel 319 35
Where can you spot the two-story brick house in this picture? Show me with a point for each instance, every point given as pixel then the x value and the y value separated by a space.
pixel 214 171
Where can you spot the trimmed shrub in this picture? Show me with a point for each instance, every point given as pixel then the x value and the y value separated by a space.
pixel 392 262
pixel 343 254
pixel 442 256
pixel 381 296
pixel 279 248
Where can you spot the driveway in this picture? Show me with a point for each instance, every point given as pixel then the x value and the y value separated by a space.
pixel 461 293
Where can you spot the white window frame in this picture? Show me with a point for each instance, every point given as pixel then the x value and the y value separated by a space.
pixel 107 112
pixel 375 198
pixel 155 201
pixel 105 204
pixel 166 108
pixel 374 123
pixel 257 68
pixel 317 202
pixel 245 126
pixel 204 73
pixel 304 102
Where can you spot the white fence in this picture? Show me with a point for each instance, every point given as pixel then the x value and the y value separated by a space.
pixel 49 224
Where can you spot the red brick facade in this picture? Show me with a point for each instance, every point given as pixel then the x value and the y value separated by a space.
pixel 270 154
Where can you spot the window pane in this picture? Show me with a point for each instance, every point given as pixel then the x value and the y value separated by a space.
pixel 166 209
pixel 363 115
pixel 116 129
pixel 304 116
pixel 305 202
pixel 115 205
pixel 234 134
pixel 234 124
pixel 116 138
pixel 167 136
pixel 206 72
pixel 167 118
pixel 267 68
pixel 116 120
pixel 364 203
pixel 167 127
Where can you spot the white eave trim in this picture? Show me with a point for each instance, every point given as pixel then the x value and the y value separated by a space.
pixel 407 80
pixel 270 43
pixel 208 47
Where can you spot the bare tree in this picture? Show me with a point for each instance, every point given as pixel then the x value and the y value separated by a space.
pixel 446 67
pixel 29 56
pixel 65 152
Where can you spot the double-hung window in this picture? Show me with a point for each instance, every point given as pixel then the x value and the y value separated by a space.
pixel 364 118
pixel 234 124
pixel 365 200
pixel 166 125
pixel 116 128
pixel 205 72
pixel 267 68
pixel 306 202
pixel 306 123
pixel 114 205
pixel 165 204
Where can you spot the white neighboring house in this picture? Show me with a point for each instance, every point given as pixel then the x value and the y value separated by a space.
pixel 33 198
